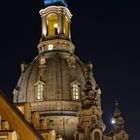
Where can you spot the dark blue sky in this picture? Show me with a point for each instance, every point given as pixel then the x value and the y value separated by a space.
pixel 108 34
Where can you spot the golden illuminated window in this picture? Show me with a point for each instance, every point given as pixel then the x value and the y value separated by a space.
pixel 50 47
pixel 39 89
pixel 75 91
pixel 52 24
pixel 66 26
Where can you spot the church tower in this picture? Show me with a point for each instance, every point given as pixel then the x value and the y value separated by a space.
pixel 90 126
pixel 118 132
pixel 51 85
pixel 57 92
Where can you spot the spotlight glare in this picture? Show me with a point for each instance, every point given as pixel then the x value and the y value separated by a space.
pixel 113 121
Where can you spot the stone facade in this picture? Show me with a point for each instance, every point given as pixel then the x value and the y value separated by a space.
pixel 56 73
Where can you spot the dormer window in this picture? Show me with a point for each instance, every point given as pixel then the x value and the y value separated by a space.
pixel 39 90
pixel 75 90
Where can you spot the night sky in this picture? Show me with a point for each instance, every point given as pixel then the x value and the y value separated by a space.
pixel 107 34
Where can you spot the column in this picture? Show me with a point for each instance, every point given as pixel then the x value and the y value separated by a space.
pixel 44 26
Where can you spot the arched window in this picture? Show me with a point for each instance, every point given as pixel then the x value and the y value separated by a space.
pixel 52 24
pixel 75 90
pixel 96 136
pixel 39 90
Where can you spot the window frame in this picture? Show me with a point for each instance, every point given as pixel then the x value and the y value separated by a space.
pixel 39 90
pixel 75 90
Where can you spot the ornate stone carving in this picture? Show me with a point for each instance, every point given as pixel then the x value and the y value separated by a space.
pixel 89 95
pixel 119 125
pixel 71 61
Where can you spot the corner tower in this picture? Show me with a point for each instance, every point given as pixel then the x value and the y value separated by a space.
pixel 53 82
pixel 90 124
pixel 118 131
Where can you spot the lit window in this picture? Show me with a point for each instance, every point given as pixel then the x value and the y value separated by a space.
pixel 52 24
pixel 39 91
pixel 50 47
pixel 75 91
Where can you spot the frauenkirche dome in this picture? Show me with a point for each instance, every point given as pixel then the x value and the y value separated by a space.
pixel 57 72
pixel 52 83
pixel 57 93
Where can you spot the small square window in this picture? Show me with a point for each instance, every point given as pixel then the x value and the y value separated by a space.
pixel 50 47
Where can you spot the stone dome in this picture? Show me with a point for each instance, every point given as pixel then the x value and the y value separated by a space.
pixel 57 71
pixel 53 82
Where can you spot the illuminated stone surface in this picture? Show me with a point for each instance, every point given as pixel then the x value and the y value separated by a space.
pixel 56 96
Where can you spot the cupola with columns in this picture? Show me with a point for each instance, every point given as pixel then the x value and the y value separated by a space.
pixel 56 19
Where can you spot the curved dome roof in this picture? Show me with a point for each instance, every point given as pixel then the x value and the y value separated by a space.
pixel 57 70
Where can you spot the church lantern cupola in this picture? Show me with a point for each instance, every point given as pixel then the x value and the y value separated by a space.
pixel 55 20
pixel 56 34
